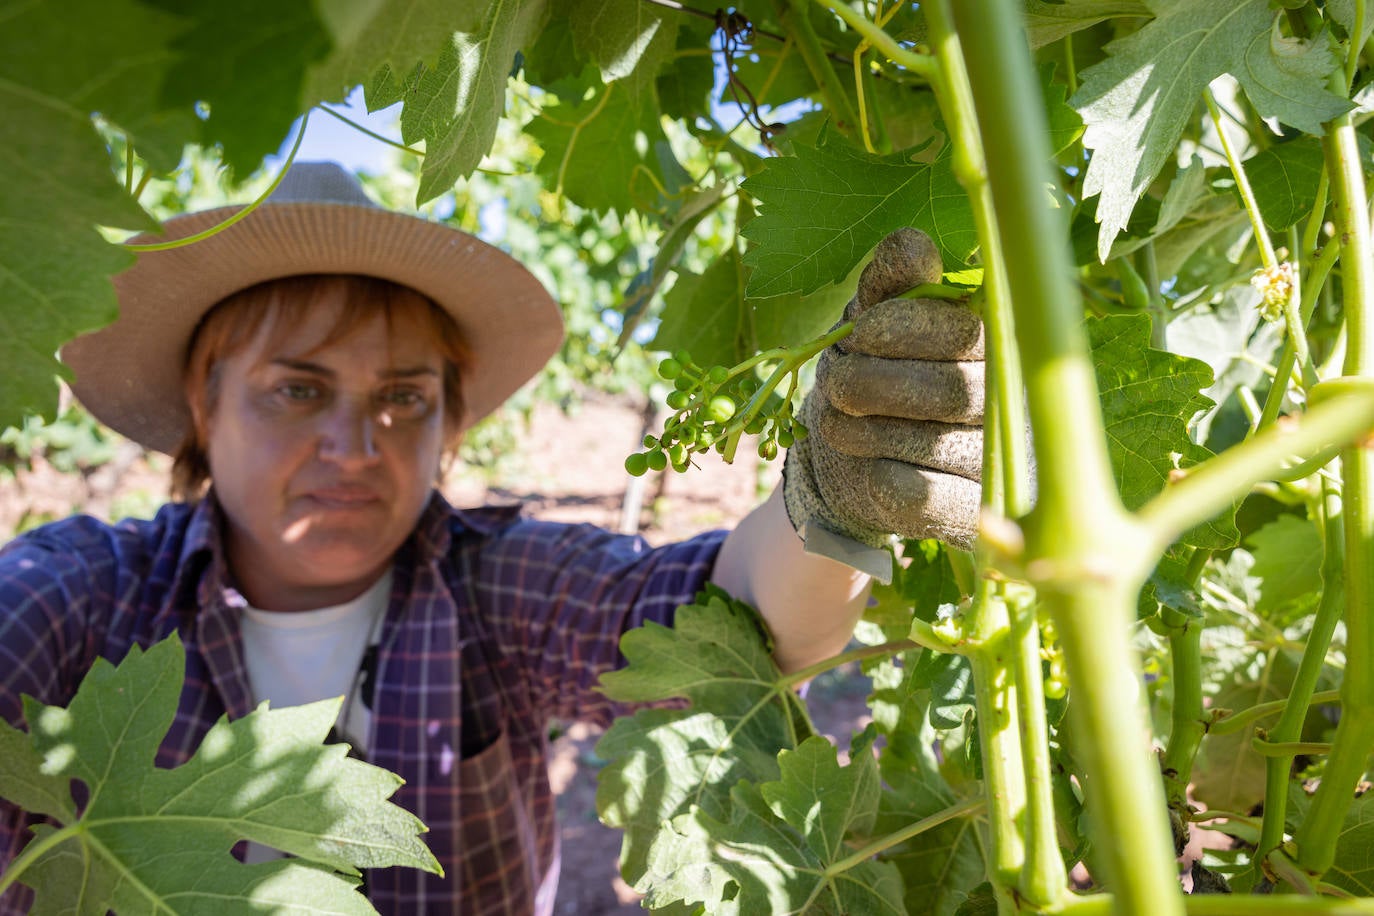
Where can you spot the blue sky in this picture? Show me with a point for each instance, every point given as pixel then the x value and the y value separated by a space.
pixel 329 138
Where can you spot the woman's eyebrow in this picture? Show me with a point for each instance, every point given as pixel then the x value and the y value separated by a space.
pixel 409 372
pixel 303 365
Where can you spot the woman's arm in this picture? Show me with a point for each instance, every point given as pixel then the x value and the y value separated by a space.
pixel 810 602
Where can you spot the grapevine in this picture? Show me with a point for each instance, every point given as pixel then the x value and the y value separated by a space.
pixel 1172 609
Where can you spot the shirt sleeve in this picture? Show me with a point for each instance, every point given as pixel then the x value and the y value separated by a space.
pixel 49 586
pixel 559 597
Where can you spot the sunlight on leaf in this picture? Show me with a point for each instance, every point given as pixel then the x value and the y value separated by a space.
pixel 152 839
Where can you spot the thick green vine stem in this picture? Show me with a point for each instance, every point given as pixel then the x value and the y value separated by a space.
pixel 1289 727
pixel 1013 734
pixel 1188 721
pixel 1317 835
pixel 1084 554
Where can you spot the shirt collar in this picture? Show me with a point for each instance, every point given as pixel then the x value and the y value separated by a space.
pixel 203 545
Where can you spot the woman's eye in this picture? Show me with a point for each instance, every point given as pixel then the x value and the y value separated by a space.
pixel 298 391
pixel 403 399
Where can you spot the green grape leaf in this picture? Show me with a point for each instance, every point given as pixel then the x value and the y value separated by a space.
pixel 1136 103
pixel 554 64
pixel 704 314
pixel 1185 191
pixel 940 865
pixel 1285 78
pixel 823 800
pixel 952 701
pixel 252 78
pixel 1352 869
pixel 789 320
pixel 628 39
pixel 920 585
pixel 1065 125
pixel 646 284
pixel 665 761
pixel 827 207
pixel 1288 561
pixel 593 155
pixel 1228 336
pixel 910 116
pixel 1170 586
pixel 1047 21
pixel 54 265
pixel 23 782
pixel 455 105
pixel 684 84
pixel 1148 399
pixel 772 854
pixel 1343 12
pixel 1228 773
pixel 114 63
pixel 1285 179
pixel 393 33
pixel 153 839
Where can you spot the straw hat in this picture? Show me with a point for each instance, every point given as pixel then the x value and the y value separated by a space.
pixel 317 221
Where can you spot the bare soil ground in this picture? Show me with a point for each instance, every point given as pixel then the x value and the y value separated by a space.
pixel 566 467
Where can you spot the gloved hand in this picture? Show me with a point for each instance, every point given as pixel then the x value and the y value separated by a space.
pixel 895 417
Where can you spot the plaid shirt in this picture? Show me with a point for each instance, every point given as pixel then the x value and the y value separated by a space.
pixel 495 625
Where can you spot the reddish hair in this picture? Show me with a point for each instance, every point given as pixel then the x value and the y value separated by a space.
pixel 277 307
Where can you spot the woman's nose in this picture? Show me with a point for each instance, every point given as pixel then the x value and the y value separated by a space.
pixel 349 433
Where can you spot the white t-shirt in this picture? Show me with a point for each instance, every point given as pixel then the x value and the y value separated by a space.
pixel 304 656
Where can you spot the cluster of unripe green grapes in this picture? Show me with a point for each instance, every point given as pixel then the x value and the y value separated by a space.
pixel 712 409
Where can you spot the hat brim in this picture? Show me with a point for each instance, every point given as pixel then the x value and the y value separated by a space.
pixel 129 374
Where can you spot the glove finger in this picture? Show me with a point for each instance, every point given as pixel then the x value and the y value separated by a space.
pixel 903 259
pixel 918 503
pixel 861 385
pixel 946 447
pixel 916 329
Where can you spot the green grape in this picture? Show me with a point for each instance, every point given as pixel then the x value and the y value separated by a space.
pixel 670 369
pixel 677 456
pixel 800 431
pixel 721 408
pixel 657 460
pixel 683 357
pixel 682 382
pixel 636 464
pixel 687 435
pixel 705 438
pixel 650 442
pixel 678 400
pixel 755 426
pixel 768 449
pixel 718 375
pixel 785 438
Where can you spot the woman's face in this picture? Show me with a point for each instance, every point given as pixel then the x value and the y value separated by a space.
pixel 323 457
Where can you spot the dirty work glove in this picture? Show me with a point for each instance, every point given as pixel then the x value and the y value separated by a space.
pixel 895 418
